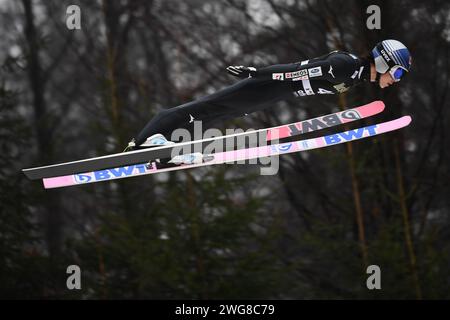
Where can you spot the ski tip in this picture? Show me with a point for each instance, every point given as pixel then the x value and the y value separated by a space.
pixel 378 105
pixel 371 108
pixel 395 124
pixel 399 122
pixel 406 120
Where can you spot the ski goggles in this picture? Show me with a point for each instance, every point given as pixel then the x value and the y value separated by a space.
pixel 397 72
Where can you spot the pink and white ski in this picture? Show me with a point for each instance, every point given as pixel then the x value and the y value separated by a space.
pixel 231 156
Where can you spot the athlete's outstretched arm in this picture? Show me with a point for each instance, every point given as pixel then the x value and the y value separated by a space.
pixel 340 65
pixel 265 72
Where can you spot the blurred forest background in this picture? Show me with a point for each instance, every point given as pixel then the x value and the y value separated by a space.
pixel 225 231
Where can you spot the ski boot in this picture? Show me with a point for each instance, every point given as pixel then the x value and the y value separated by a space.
pixel 184 159
pixel 159 140
pixel 156 140
pixel 191 158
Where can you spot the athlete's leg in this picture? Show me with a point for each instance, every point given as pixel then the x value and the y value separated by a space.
pixel 242 98
pixel 170 119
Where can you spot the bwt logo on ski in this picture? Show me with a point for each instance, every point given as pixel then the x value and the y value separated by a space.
pixel 83 178
pixel 111 173
pixel 350 135
pixel 323 122
pixel 282 147
pixel 350 115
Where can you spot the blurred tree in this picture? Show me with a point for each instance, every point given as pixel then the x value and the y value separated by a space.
pixel 205 239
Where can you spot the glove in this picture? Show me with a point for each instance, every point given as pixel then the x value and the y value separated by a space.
pixel 241 71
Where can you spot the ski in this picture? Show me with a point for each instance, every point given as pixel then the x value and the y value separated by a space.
pixel 231 156
pixel 146 155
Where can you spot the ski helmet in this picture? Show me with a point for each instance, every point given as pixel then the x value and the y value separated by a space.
pixel 390 53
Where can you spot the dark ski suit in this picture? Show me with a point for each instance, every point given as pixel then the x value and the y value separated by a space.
pixel 332 73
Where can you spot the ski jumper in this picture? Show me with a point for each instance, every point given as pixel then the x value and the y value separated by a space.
pixel 332 73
